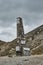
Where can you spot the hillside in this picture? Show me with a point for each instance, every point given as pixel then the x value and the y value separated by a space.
pixel 34 40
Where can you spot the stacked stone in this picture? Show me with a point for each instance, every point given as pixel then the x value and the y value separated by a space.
pixel 20 35
pixel 21 42
pixel 20 30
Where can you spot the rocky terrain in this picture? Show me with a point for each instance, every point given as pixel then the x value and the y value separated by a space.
pixel 25 60
pixel 34 40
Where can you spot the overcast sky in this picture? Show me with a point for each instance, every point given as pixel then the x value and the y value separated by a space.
pixel 30 10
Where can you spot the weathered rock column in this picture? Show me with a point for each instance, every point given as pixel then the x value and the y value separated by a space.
pixel 20 37
pixel 21 41
pixel 20 30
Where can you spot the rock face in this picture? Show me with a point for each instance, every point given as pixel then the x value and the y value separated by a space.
pixel 37 50
pixel 36 44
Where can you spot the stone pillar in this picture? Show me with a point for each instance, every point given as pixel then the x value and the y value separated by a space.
pixel 20 37
pixel 20 29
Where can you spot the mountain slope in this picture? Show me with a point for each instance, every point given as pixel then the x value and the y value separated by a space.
pixel 34 40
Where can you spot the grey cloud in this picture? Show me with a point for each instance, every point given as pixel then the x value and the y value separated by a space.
pixel 9 8
pixel 6 33
pixel 30 10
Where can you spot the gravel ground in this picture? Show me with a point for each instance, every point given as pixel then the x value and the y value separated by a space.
pixel 25 60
